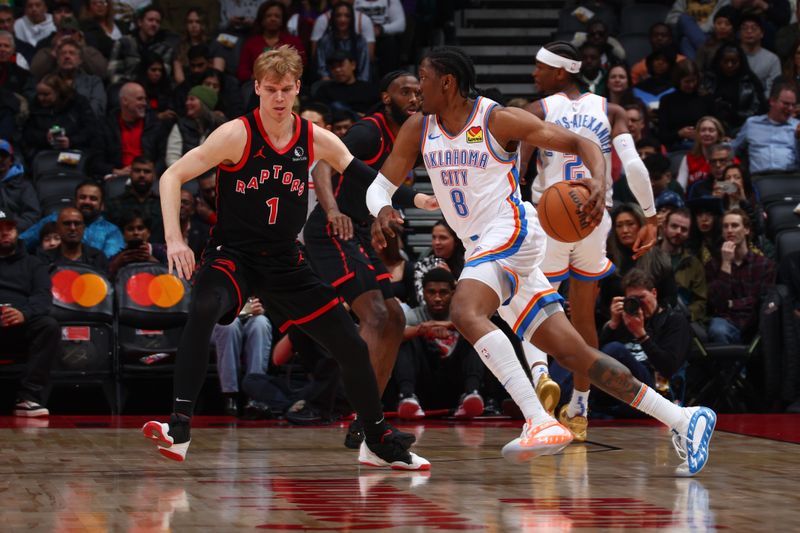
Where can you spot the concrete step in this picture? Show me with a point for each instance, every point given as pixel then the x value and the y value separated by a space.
pixel 520 71
pixel 509 90
pixel 479 53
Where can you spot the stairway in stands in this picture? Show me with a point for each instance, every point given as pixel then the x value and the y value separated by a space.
pixel 502 37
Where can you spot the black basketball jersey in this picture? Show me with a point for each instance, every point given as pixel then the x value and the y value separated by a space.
pixel 371 141
pixel 262 200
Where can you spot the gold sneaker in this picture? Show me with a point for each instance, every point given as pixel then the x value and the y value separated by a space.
pixel 576 424
pixel 549 394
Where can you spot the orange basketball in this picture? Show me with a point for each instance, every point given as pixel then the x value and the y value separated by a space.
pixel 560 212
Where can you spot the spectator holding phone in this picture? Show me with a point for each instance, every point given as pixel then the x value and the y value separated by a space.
pixel 643 334
pixel 136 231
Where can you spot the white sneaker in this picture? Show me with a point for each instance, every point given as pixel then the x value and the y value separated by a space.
pixel 158 432
pixel 393 457
pixel 409 408
pixel 692 441
pixel 545 439
pixel 30 409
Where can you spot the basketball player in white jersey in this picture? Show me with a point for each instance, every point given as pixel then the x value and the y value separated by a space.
pixel 469 146
pixel 584 262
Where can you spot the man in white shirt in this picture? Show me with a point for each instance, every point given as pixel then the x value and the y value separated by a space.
pixel 36 25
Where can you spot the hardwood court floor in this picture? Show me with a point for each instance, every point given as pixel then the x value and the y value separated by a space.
pixel 99 474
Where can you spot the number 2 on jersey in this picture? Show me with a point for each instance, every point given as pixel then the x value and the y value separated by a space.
pixel 457 195
pixel 573 167
pixel 272 203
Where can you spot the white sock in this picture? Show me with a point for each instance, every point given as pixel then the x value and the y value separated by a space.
pixel 578 404
pixel 652 403
pixel 533 354
pixel 497 353
pixel 537 372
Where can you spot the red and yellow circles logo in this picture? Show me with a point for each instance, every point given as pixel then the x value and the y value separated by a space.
pixel 164 290
pixel 86 290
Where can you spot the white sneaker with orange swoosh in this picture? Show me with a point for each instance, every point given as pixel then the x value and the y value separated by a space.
pixel 547 438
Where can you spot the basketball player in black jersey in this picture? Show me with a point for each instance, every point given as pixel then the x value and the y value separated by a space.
pixel 262 162
pixel 337 233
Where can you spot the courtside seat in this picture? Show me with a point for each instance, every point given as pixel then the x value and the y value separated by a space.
pixel 83 305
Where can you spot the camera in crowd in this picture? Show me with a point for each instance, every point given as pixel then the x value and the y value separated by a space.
pixel 631 305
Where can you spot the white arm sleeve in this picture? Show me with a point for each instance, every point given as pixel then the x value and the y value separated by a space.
pixel 379 194
pixel 683 173
pixel 636 172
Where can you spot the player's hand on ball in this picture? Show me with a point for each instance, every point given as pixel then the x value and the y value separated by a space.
pixel 341 224
pixel 595 206
pixel 646 238
pixel 181 258
pixel 388 224
pixel 426 202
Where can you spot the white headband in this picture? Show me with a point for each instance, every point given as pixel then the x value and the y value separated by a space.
pixel 554 60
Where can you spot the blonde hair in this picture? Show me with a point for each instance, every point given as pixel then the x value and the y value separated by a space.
pixel 697 148
pixel 277 63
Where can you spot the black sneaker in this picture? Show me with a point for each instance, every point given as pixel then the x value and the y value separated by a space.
pixel 30 409
pixel 355 436
pixel 256 411
pixel 389 452
pixel 302 414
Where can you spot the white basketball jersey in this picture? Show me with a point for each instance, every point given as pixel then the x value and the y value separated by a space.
pixel 588 117
pixel 475 179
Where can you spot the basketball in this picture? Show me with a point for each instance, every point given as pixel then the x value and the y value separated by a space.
pixel 560 212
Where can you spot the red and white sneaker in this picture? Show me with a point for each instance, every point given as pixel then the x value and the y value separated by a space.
pixel 471 406
pixel 158 432
pixel 391 455
pixel 547 438
pixel 409 408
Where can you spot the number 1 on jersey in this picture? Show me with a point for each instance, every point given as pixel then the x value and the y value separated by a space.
pixel 272 203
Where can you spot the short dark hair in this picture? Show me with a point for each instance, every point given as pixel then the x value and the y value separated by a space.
pixel 147 10
pixel 47 229
pixel 338 115
pixel 143 160
pixel 87 183
pixel 657 165
pixel 439 275
pixel 636 277
pixel 318 107
pixel 777 88
pixel 131 215
pixel 198 51
pixel 683 211
pixel 751 17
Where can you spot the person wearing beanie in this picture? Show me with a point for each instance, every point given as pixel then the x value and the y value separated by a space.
pixel 726 20
pixel 194 126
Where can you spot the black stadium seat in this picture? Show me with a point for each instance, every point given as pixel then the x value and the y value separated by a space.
pixel 777 188
pixel 781 216
pixel 786 242
pixel 636 45
pixel 638 18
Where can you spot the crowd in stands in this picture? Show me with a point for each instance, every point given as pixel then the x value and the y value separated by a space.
pixel 132 86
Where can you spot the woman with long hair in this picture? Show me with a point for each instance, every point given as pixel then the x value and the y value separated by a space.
pixel 152 76
pixel 98 27
pixel 618 85
pixel 695 165
pixel 447 251
pixel 59 118
pixel 679 111
pixel 626 220
pixel 270 33
pixel 195 32
pixel 341 35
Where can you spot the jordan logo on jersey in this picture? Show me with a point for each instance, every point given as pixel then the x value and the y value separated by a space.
pixel 260 153
pixel 475 134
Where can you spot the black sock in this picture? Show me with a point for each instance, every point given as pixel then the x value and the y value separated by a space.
pixel 180 427
pixel 374 430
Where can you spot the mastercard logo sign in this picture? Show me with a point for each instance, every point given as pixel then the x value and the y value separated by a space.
pixel 162 290
pixel 86 290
